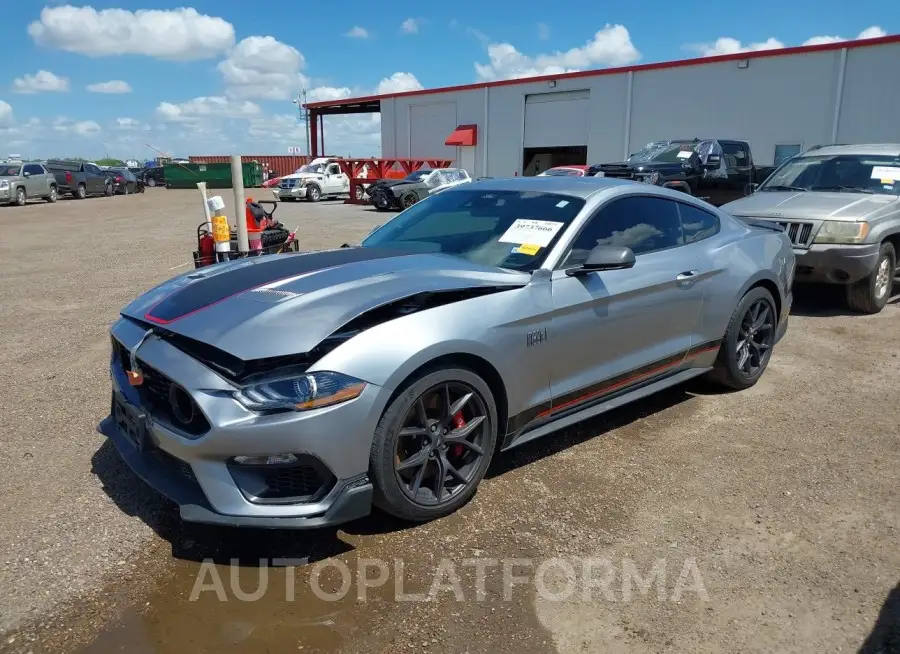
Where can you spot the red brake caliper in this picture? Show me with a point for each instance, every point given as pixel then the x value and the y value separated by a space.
pixel 458 422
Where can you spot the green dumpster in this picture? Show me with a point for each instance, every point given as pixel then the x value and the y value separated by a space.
pixel 216 175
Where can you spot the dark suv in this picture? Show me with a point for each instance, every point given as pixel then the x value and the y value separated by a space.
pixel 155 176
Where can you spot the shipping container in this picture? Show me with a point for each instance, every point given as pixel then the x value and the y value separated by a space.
pixel 281 164
pixel 216 175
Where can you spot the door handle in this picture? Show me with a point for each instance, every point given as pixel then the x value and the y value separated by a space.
pixel 686 276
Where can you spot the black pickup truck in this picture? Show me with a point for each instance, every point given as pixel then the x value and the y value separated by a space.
pixel 80 178
pixel 715 170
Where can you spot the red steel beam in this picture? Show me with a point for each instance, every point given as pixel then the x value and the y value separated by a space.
pixel 379 169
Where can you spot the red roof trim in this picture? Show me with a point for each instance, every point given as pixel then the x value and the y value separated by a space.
pixel 464 135
pixel 680 63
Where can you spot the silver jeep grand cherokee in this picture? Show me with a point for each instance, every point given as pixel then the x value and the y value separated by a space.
pixel 840 206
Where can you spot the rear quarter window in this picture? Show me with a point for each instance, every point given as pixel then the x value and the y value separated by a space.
pixel 697 224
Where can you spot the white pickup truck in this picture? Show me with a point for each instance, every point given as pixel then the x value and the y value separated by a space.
pixel 318 179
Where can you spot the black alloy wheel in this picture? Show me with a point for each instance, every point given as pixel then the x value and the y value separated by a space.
pixel 433 444
pixel 749 338
pixel 408 200
pixel 441 444
pixel 756 337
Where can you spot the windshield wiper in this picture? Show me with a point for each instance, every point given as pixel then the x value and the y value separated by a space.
pixel 852 189
pixel 781 187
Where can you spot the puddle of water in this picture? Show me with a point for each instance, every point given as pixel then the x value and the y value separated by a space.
pixel 246 608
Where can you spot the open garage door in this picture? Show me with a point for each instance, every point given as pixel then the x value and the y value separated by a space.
pixel 556 130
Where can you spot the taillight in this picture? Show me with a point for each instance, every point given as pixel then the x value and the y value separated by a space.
pixel 68 177
pixel 119 179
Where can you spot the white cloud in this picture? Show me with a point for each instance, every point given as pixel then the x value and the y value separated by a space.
pixel 42 82
pixel 78 127
pixel 728 45
pixel 263 68
pixel 176 34
pixel 6 114
pixel 357 32
pixel 611 46
pixel 543 31
pixel 114 86
pixel 86 128
pixel 398 83
pixel 410 26
pixel 206 107
pixel 131 125
pixel 873 32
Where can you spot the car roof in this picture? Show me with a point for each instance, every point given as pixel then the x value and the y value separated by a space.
pixel 581 187
pixel 884 149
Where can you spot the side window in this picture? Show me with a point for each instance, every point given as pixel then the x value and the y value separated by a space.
pixel 735 154
pixel 644 224
pixel 334 169
pixel 784 151
pixel 697 224
pixel 92 169
pixel 32 169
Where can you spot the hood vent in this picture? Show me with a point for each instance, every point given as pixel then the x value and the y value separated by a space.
pixel 272 295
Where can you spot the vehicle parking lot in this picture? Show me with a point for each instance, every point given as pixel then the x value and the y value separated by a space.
pixel 784 496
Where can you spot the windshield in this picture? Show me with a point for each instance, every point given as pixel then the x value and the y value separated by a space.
pixel 664 152
pixel 851 173
pixel 563 172
pixel 418 176
pixel 508 229
pixel 311 168
pixel 9 171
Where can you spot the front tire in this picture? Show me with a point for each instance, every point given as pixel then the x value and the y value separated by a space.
pixel 870 294
pixel 21 198
pixel 408 200
pixel 433 445
pixel 151 182
pixel 749 339
pixel 313 193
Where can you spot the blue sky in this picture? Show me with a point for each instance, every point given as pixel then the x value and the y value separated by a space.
pixel 217 77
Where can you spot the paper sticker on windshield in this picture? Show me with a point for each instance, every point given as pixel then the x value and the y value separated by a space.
pixel 886 172
pixel 527 248
pixel 685 154
pixel 533 232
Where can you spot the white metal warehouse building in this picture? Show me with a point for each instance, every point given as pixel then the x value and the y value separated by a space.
pixel 780 101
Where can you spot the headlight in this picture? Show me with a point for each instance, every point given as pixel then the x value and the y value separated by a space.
pixel 300 392
pixel 4 183
pixel 835 231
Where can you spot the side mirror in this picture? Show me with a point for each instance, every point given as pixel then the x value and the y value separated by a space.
pixel 751 188
pixel 713 162
pixel 605 257
pixel 26 174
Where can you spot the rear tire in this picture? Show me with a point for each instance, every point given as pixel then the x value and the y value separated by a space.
pixel 52 196
pixel 408 200
pixel 747 346
pixel 871 294
pixel 396 491
pixel 80 192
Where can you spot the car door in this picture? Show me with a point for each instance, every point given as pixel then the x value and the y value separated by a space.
pixel 738 167
pixel 335 180
pixel 612 329
pixel 35 181
pixel 95 179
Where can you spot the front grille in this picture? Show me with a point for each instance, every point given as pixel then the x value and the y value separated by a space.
pixel 163 398
pixel 307 480
pixel 288 183
pixel 618 172
pixel 799 233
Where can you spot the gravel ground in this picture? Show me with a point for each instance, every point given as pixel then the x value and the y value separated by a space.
pixel 773 512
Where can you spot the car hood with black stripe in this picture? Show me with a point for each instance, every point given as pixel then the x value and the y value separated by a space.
pixel 286 304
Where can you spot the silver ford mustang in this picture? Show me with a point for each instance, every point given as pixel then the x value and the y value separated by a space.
pixel 298 390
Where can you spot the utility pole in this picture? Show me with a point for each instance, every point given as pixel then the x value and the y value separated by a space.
pixel 304 116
